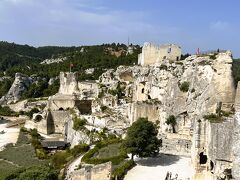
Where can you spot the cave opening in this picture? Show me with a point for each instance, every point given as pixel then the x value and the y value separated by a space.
pixel 203 158
pixel 211 165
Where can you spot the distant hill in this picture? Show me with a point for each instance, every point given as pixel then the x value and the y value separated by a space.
pixel 26 59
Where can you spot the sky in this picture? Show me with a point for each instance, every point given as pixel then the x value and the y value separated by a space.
pixel 192 24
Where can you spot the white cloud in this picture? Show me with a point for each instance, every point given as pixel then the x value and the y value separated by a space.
pixel 66 22
pixel 219 25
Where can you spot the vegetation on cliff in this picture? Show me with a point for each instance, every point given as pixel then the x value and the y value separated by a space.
pixel 142 139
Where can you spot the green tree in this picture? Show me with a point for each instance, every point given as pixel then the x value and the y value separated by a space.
pixel 171 120
pixel 142 139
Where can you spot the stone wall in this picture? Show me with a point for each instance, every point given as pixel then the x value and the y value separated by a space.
pixel 98 172
pixel 68 83
pixel 154 54
pixel 176 144
pixel 144 110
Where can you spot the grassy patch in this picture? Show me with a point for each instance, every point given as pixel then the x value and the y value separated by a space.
pixel 21 156
pixel 108 151
pixel 6 169
pixel 101 153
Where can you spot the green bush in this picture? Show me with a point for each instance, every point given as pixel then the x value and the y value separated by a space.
pixel 78 149
pixel 179 62
pixel 59 159
pixel 6 111
pixel 184 86
pixel 103 108
pixel 213 118
pixel 41 153
pixel 120 171
pixel 213 56
pixel 78 124
pixel 163 67
pixel 31 112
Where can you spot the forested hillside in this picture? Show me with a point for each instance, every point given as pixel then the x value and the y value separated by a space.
pixel 26 59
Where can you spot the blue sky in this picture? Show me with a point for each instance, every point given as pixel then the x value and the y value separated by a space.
pixel 204 24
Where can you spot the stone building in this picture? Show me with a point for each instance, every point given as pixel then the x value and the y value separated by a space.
pixel 152 54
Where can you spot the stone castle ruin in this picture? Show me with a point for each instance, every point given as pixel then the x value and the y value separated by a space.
pixel 198 91
pixel 155 54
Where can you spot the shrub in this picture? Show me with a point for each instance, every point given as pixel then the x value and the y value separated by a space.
pixel 213 118
pixel 122 169
pixel 171 120
pixel 31 112
pixel 6 111
pixel 59 159
pixel 101 94
pixel 78 149
pixel 179 62
pixel 103 108
pixel 163 67
pixel 213 56
pixel 78 124
pixel 41 153
pixel 184 86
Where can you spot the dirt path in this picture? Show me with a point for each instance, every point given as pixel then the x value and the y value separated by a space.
pixel 157 168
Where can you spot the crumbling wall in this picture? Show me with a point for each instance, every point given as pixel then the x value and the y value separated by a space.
pixel 68 83
pixel 144 110
pixel 97 172
pixel 154 54
pixel 219 150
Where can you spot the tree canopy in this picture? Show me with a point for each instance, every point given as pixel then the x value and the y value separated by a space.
pixel 142 139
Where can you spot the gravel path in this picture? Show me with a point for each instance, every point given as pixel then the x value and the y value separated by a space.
pixel 10 135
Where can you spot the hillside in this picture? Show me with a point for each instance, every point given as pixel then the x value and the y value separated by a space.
pixel 26 59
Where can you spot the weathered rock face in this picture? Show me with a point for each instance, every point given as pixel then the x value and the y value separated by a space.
pixel 209 83
pixel 189 90
pixel 75 137
pixel 20 84
pixel 236 137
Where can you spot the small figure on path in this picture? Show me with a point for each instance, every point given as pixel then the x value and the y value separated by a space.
pixel 167 176
pixel 176 176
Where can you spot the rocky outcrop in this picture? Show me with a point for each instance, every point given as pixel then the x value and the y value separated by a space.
pixel 54 60
pixel 75 137
pixel 20 84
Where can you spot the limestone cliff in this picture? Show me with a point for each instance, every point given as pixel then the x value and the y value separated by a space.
pixel 190 90
pixel 20 84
